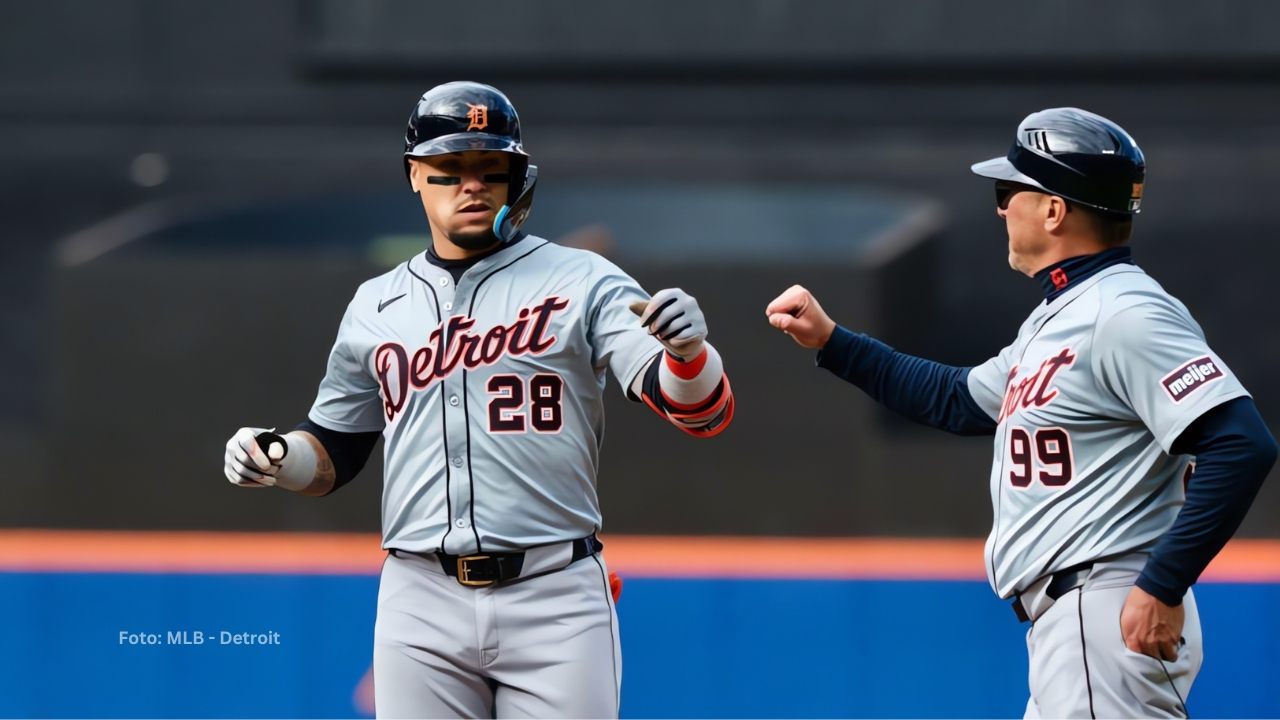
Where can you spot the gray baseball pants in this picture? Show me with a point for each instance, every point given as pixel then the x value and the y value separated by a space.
pixel 541 647
pixel 1079 664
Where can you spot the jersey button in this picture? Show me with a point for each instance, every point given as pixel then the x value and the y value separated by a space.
pixel 444 281
pixel 457 462
pixel 448 306
pixel 460 522
pixel 453 400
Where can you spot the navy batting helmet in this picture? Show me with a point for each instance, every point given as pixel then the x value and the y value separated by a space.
pixel 1075 154
pixel 462 116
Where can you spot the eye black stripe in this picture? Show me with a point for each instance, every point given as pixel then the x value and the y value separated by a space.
pixel 444 180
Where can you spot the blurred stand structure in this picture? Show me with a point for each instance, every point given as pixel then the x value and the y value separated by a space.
pixel 192 191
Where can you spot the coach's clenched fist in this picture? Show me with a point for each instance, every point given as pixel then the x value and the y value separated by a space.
pixel 797 313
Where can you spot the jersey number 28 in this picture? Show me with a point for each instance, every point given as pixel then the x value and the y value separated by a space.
pixel 507 408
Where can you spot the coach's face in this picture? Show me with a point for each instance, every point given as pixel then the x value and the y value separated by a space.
pixel 462 193
pixel 1031 217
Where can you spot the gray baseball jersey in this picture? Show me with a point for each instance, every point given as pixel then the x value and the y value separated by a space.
pixel 1088 400
pixel 489 393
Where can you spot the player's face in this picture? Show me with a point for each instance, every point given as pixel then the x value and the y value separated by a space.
pixel 462 193
pixel 1022 208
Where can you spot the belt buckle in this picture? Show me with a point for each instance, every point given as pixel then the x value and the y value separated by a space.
pixel 464 572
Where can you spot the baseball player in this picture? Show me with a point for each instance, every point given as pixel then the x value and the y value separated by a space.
pixel 481 362
pixel 1098 408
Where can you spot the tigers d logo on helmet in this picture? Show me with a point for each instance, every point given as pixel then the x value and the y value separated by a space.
pixel 478 116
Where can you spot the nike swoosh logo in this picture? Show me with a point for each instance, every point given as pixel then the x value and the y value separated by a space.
pixel 385 303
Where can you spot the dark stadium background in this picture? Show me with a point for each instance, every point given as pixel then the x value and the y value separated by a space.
pixel 190 193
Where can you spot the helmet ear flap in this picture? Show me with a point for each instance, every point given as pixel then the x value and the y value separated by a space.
pixel 506 225
pixel 519 170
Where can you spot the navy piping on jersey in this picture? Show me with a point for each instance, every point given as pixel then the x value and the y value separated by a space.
pixel 990 557
pixel 466 413
pixel 444 426
pixel 1061 276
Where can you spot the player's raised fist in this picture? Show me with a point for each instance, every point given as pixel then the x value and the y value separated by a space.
pixel 797 313
pixel 247 464
pixel 673 316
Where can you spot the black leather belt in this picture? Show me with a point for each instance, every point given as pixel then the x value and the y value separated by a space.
pixel 484 569
pixel 1062 582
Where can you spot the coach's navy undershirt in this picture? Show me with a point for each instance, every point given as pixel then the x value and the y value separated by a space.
pixel 921 390
pixel 1060 276
pixel 1234 451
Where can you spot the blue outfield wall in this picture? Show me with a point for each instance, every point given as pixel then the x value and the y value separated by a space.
pixel 692 648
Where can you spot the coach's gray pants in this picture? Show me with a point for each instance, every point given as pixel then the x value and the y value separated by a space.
pixel 1080 666
pixel 538 648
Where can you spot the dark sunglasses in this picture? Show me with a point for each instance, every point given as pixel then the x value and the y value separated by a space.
pixel 1006 190
pixel 490 179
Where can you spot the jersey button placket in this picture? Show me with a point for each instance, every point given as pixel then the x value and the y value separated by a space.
pixel 455 426
pixel 456 421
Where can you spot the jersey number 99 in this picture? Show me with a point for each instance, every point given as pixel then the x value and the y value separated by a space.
pixel 1048 457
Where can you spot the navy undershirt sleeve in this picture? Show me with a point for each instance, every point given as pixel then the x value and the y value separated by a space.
pixel 347 451
pixel 1234 451
pixel 921 390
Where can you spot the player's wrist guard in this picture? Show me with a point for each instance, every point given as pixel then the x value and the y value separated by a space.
pixel 298 466
pixel 693 395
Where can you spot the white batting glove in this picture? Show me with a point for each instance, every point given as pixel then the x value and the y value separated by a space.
pixel 246 465
pixel 674 318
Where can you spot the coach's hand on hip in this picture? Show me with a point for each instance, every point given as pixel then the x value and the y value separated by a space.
pixel 1150 627
pixel 674 318
pixel 797 313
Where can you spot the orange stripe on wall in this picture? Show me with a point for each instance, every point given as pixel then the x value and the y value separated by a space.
pixel 628 555
pixel 189 552
pixel 768 557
